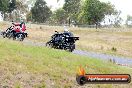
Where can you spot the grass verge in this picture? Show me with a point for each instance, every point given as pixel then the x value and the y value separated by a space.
pixel 23 66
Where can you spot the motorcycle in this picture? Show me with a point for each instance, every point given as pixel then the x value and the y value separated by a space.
pixel 64 41
pixel 10 33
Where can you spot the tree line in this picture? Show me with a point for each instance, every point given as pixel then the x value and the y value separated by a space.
pixel 91 12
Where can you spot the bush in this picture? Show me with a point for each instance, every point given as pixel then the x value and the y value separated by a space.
pixel 114 49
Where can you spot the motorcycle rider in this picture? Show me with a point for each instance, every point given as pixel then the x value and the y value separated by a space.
pixel 67 32
pixel 65 29
pixel 18 28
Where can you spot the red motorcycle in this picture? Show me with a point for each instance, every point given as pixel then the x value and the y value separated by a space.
pixel 14 32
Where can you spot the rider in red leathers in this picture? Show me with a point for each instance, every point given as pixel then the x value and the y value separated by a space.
pixel 19 27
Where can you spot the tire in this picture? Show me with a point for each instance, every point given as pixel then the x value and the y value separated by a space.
pixel 3 34
pixel 49 44
pixel 26 35
pixel 10 35
pixel 20 37
pixel 71 48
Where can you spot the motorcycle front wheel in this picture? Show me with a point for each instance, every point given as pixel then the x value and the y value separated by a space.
pixel 20 37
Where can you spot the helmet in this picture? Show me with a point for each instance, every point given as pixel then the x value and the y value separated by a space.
pixel 22 21
pixel 66 29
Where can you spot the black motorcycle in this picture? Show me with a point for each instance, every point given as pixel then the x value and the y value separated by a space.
pixel 65 41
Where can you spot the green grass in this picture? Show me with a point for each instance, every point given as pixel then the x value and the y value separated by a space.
pixel 39 67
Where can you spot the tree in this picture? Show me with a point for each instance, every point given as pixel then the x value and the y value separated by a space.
pixel 21 6
pixel 21 10
pixel 4 4
pixel 94 11
pixel 7 6
pixel 40 12
pixel 58 16
pixel 12 9
pixel 12 5
pixel 129 21
pixel 29 16
pixel 31 2
pixel 118 19
pixel 72 8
